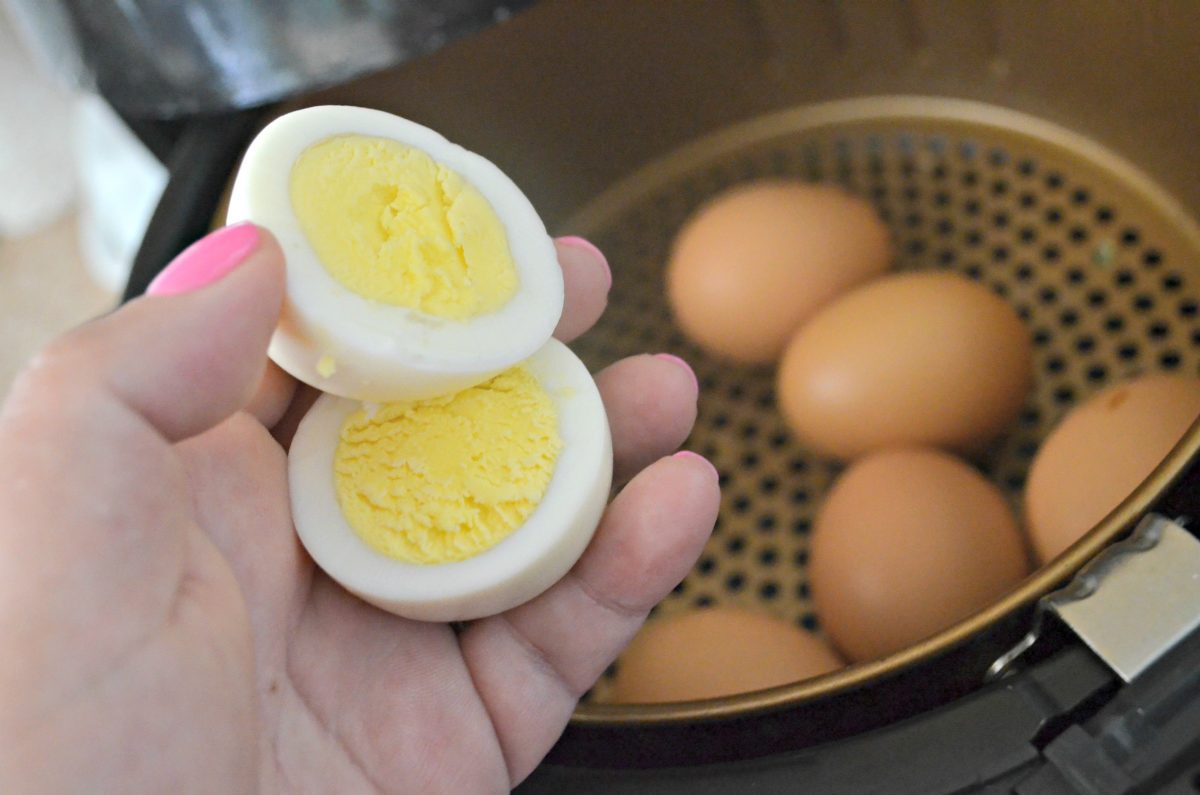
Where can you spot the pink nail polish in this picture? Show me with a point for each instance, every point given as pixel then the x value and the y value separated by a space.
pixel 688 454
pixel 670 357
pixel 586 245
pixel 206 260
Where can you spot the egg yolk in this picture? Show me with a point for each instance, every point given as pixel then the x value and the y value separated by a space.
pixel 393 225
pixel 441 480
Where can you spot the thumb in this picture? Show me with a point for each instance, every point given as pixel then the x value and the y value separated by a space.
pixel 189 353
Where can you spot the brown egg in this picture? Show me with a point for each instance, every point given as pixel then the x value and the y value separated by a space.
pixel 908 542
pixel 718 651
pixel 756 262
pixel 1099 454
pixel 915 358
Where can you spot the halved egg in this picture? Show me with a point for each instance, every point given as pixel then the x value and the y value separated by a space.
pixel 415 267
pixel 458 506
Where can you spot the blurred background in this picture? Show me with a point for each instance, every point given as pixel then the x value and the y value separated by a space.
pixel 55 271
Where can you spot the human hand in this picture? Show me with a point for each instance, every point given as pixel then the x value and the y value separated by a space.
pixel 164 629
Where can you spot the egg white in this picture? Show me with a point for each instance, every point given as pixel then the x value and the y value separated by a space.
pixel 381 352
pixel 515 570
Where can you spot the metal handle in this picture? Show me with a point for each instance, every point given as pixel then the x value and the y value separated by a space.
pixel 1131 604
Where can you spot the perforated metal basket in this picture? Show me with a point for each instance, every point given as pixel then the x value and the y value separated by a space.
pixel 1093 256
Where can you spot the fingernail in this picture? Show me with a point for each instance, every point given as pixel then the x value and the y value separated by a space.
pixel 670 357
pixel 688 454
pixel 206 260
pixel 595 253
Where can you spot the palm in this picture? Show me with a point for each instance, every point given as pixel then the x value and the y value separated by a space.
pixel 350 698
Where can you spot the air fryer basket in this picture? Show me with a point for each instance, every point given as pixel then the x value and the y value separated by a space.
pixel 1094 257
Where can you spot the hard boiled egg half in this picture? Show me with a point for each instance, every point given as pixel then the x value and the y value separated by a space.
pixel 461 459
pixel 460 506
pixel 415 267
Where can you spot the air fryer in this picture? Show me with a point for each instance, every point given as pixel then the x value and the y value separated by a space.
pixel 1047 150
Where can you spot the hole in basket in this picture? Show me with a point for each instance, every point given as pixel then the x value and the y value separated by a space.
pixel 802 590
pixel 741 504
pixel 800 557
pixel 1054 180
pixel 1027 234
pixel 703 601
pixel 1169 360
pixel 1055 364
pixel 1024 273
pixel 1104 215
pixel 766 523
pixel 1097 298
pixel 735 545
pixel 1078 234
pixel 1188 308
pixel 1130 237
pixel 1064 395
pixel 971 207
pixel 1172 282
pixel 1027 200
pixel 999 187
pixel 1041 336
pixel 706 565
pixel 801 527
pixel 768 485
pixel 1085 344
pixel 1053 215
pixel 1000 220
pixel 768 590
pixel 1157 330
pixel 1152 258
pixel 734 582
pixel 1026 168
pixel 1124 277
pixel 1069 317
pixel 1143 303
pixel 768 556
pixel 1080 197
pixel 1114 323
pixel 1097 372
pixel 945 227
pixel 1128 351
